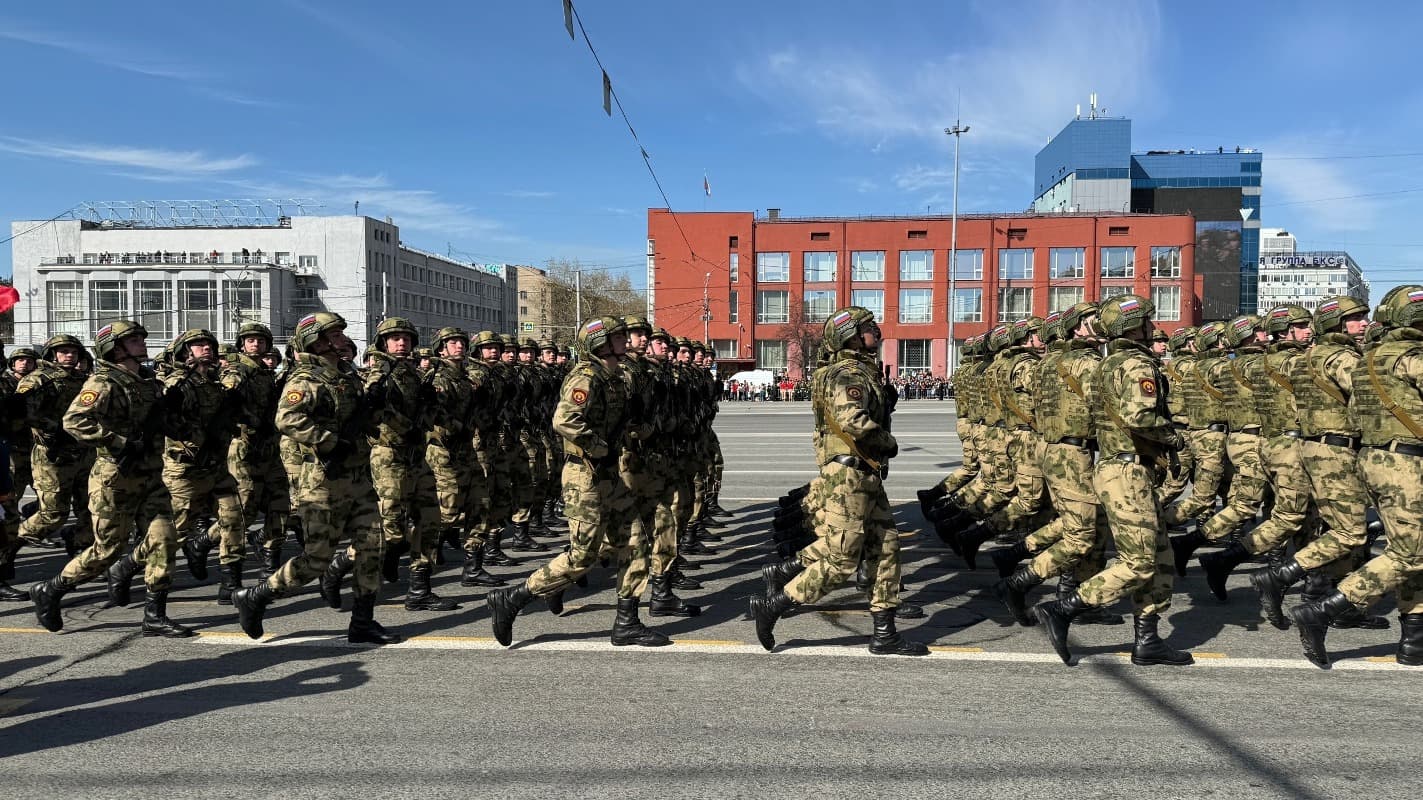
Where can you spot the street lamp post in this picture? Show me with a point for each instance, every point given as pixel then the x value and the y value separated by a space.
pixel 956 132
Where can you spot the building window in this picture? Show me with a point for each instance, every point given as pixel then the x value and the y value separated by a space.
pixel 916 305
pixel 968 265
pixel 820 236
pixel 1067 262
pixel 919 234
pixel 108 301
pixel 773 267
pixel 152 301
pixel 1118 262
pixel 1112 290
pixel 819 305
pixel 66 308
pixel 732 242
pixel 820 267
pixel 1165 262
pixel 773 306
pixel 724 348
pixel 1014 304
pixel 244 301
pixel 733 265
pixel 733 306
pixel 916 265
pixel 968 305
pixel 197 305
pixel 913 356
pixel 869 299
pixel 282 259
pixel 771 354
pixel 867 265
pixel 1167 300
pixel 1118 230
pixel 1061 298
pixel 1015 263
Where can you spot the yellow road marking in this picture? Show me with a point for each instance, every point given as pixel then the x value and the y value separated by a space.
pixel 1382 659
pixel 23 630
pixel 710 642
pixel 948 649
pixel 451 639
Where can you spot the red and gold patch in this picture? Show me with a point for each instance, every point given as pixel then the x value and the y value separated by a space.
pixel 854 393
pixel 1148 387
pixel 88 398
pixel 293 397
pixel 578 396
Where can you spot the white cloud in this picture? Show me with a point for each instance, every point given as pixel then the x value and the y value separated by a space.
pixel 162 163
pixel 1299 190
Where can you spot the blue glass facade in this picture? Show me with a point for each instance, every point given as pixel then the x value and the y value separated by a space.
pixel 1093 148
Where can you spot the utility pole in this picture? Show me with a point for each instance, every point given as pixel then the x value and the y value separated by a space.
pixel 706 310
pixel 578 300
pixel 956 132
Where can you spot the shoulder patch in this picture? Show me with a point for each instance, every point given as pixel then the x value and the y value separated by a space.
pixel 1148 387
pixel 88 397
pixel 854 393
pixel 24 387
pixel 578 396
pixel 293 397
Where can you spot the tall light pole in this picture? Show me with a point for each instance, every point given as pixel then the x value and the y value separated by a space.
pixel 956 132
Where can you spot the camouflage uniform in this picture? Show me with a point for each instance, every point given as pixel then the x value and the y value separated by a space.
pixel 1179 394
pixel 15 431
pixel 59 465
pixel 1208 427
pixel 968 419
pixel 253 457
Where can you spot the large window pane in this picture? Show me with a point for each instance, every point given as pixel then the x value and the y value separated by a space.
pixel 733 265
pixel 968 305
pixel 1165 262
pixel 867 265
pixel 771 354
pixel 1112 290
pixel 1167 300
pixel 733 306
pixel 108 301
pixel 243 301
pixel 1061 298
pixel 968 265
pixel 1118 262
pixel 820 267
pixel 913 356
pixel 1068 262
pixel 773 267
pixel 724 348
pixel 916 265
pixel 197 305
pixel 1014 304
pixel 773 306
pixel 872 299
pixel 915 305
pixel 819 305
pixel 66 308
pixel 1015 264
pixel 153 308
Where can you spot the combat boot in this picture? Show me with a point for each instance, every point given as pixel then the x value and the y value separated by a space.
pixel 1185 546
pixel 363 628
pixel 776 576
pixel 687 543
pixel 1319 585
pixel 971 539
pixel 493 554
pixel 46 596
pixel 522 542
pixel 682 564
pixel 664 603
pixel 449 537
pixel 341 564
pixel 155 618
pixel 1013 591
pixel 1220 564
pixel 119 577
pixel 554 601
pixel 69 535
pixel 421 597
pixel 196 549
pixel 628 629
pixel 229 582
pixel 1148 649
pixel 1410 643
pixel 908 610
pixel 1272 583
pixel 474 572
pixel 10 594
pixel 928 497
pixel 1313 620
pixel 1006 559
pixel 536 524
pixel 251 605
pixel 1056 617
pixel 1094 615
pixel 794 496
pixel 504 606
pixel 765 611
pixel 390 559
pixel 886 641
pixel 271 560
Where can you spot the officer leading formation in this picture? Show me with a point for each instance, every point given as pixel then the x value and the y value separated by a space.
pixel 1089 437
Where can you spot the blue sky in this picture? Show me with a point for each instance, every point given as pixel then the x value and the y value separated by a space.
pixel 479 126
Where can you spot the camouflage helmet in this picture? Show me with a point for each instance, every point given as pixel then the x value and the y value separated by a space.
pixel 189 337
pixel 393 325
pixel 1329 315
pixel 110 335
pixel 565 352
pixel 510 342
pixel 1280 318
pixel 843 326
pixel 423 352
pixel 60 340
pixel 1124 313
pixel 1179 341
pixel 273 353
pixel 547 344
pixel 311 326
pixel 1052 327
pixel 1072 318
pixel 1383 313
pixel 1158 335
pixel 999 338
pixel 529 345
pixel 1208 336
pixel 1405 308
pixel 1374 332
pixel 682 341
pixel 1241 330
pixel 635 323
pixel 19 352
pixel 597 333
pixel 661 333
pixel 487 339
pixel 253 329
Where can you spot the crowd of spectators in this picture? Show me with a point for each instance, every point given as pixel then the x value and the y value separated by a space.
pixel 919 386
pixel 923 386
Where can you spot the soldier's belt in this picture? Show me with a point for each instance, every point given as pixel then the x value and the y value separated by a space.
pixel 855 462
pixel 997 425
pixel 1253 430
pixel 1022 427
pixel 1293 434
pixel 1395 446
pixel 1218 427
pixel 1335 440
pixel 1130 458
pixel 1078 441
pixel 1180 426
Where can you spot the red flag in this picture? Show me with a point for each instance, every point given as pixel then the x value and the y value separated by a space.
pixel 9 298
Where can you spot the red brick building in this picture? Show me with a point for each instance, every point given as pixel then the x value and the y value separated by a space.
pixel 765 279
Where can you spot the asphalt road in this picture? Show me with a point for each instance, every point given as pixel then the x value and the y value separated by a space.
pixel 100 712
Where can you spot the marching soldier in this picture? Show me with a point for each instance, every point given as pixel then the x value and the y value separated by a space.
pixel 1208 429
pixel 60 466
pixel 253 455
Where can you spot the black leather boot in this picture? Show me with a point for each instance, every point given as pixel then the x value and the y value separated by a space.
pixel 155 618
pixel 10 594
pixel 1006 559
pixel 790 547
pixel 765 611
pixel 363 628
pixel 504 605
pixel 1094 615
pixel 1056 617
pixel 340 565
pixel 794 496
pixel 554 602
pixel 1313 620
pixel 1185 546
pixel 1149 650
pixel 688 545
pixel 1272 583
pixel 907 610
pixel 1319 584
pixel 523 542
pixel 706 521
pixel 777 575
pixel 886 641
pixel 474 572
pixel 494 555
pixel 46 596
pixel 947 531
pixel 1013 591
pixel 928 497
pixel 666 604
pixel 537 526
pixel 862 577
pixel 683 565
pixel 787 517
pixel 120 576
pixel 251 607
pixel 450 537
pixel 1220 564
pixel 1410 643
pixel 971 539
pixel 229 582
pixel 1359 619
pixel 421 598
pixel 196 550
pixel 390 559
pixel 271 560
pixel 679 580
pixel 628 629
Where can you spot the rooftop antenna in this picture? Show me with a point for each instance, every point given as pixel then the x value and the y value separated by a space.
pixel 1079 111
pixel 1092 102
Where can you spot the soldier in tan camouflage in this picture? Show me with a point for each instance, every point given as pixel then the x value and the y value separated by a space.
pixel 59 465
pixel 15 430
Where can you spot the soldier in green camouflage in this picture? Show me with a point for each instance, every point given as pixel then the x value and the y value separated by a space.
pixel 59 465
pixel 530 454
pixel 1208 428
pixel 253 456
pixel 1176 364
pixel 15 430
pixel 967 424
pixel 472 414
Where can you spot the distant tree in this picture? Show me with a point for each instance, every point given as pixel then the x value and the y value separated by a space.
pixel 605 293
pixel 802 337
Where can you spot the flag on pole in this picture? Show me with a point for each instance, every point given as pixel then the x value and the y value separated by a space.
pixel 607 94
pixel 706 184
pixel 9 298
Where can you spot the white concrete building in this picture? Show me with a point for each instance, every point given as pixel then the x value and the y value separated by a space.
pixel 76 275
pixel 1305 278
